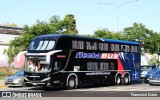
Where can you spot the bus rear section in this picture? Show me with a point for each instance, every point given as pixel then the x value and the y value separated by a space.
pixel 129 67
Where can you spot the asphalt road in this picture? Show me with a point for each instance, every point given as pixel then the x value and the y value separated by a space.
pixel 140 90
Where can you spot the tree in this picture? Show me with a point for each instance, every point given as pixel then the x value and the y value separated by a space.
pixel 153 60
pixel 142 34
pixel 55 25
pixel 69 25
pixel 10 24
pixel 136 32
pixel 103 33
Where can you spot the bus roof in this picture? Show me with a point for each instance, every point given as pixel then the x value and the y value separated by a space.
pixel 57 36
pixel 120 41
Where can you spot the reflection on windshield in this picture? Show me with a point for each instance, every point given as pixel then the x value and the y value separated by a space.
pixel 38 64
pixel 41 45
pixel 20 73
pixel 158 72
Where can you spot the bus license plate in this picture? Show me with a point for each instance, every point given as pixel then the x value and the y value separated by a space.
pixel 34 83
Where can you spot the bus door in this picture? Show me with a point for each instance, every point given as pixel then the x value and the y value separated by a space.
pixel 79 67
pixel 57 64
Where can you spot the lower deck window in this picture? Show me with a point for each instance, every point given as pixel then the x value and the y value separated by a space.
pixel 92 66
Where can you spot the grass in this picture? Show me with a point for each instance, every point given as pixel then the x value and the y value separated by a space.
pixel 6 71
pixel 3 78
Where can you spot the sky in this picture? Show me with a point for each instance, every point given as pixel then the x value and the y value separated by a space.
pixel 89 14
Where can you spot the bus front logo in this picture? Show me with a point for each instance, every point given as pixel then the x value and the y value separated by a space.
pixel 97 56
pixel 109 56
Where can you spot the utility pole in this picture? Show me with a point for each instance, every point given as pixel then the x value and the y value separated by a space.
pixel 117 8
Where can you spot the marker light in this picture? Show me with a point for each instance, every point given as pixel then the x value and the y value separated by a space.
pixel 61 56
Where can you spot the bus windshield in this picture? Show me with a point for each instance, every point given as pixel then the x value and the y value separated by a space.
pixel 36 64
pixel 42 45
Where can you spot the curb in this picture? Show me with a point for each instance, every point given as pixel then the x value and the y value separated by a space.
pixel 3 86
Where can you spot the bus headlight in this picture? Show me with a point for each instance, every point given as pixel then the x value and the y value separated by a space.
pixel 46 79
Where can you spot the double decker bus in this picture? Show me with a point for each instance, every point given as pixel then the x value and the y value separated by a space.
pixel 57 60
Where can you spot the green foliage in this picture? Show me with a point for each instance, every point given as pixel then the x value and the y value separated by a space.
pixel 7 71
pixel 70 24
pixel 153 61
pixel 55 25
pixel 10 24
pixel 142 34
pixel 136 32
pixel 2 74
pixel 105 33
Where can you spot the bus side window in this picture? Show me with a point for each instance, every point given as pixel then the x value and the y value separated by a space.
pixel 92 66
pixel 104 65
pixel 58 65
pixel 112 65
pixel 125 48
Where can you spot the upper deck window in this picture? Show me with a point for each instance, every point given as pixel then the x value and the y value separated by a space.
pixel 42 45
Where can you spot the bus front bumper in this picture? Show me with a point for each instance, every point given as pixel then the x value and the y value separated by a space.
pixel 43 82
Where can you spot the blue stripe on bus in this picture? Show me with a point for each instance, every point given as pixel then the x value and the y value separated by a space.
pixel 120 41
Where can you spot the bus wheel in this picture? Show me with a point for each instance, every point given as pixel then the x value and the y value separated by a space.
pixel 126 80
pixel 118 80
pixel 71 83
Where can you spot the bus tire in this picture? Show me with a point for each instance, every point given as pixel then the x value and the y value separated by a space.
pixel 125 80
pixel 71 83
pixel 118 80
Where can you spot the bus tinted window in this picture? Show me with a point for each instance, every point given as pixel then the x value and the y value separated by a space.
pixel 58 65
pixel 125 48
pixel 77 44
pixel 50 45
pixel 134 48
pixel 41 45
pixel 92 66
pixel 112 65
pixel 91 46
pixel 117 47
pixel 104 65
pixel 103 46
pixel 112 48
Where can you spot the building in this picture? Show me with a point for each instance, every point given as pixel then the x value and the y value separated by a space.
pixel 6 34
